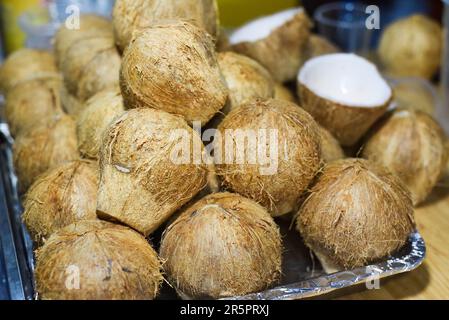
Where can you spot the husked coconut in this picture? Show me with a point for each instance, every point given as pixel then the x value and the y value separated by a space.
pixel 90 66
pixel 318 46
pixel 97 260
pixel 173 67
pixel 412 47
pixel 283 93
pixel 330 148
pixel 415 94
pixel 70 103
pixel 269 151
pixel 345 93
pixel 33 103
pixel 148 168
pixel 44 147
pixel 131 15
pixel 356 213
pixel 411 145
pixel 246 79
pixel 277 42
pixel 61 196
pixel 235 248
pixel 223 41
pixel 90 26
pixel 24 65
pixel 93 121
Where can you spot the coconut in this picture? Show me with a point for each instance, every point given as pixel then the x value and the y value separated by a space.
pixel 70 103
pixel 412 146
pixel 90 66
pixel 130 16
pixel 148 169
pixel 245 78
pixel 44 147
pixel 269 151
pixel 412 47
pixel 33 103
pixel 223 41
pixel 277 42
pixel 173 67
pixel 61 196
pixel 344 93
pixel 93 121
pixel 318 46
pixel 97 260
pixel 90 26
pixel 26 64
pixel 283 93
pixel 235 249
pixel 356 213
pixel 330 148
pixel 415 94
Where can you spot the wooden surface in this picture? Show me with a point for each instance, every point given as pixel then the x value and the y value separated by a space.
pixel 431 279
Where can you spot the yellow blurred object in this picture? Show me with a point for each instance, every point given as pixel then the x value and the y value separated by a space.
pixel 11 11
pixel 234 13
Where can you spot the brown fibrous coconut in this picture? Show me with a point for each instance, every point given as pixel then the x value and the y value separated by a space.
pixel 130 16
pixel 281 92
pixel 318 46
pixel 357 213
pixel 60 197
pixel 415 94
pixel 330 148
pixel 278 42
pixel 344 93
pixel 235 248
pixel 269 151
pixel 246 79
pixel 412 47
pixel 94 119
pixel 71 104
pixel 33 103
pixel 24 65
pixel 410 144
pixel 148 168
pixel 97 260
pixel 90 26
pixel 90 66
pixel 43 147
pixel 173 67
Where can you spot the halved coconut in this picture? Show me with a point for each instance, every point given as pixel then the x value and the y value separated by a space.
pixel 277 42
pixel 345 93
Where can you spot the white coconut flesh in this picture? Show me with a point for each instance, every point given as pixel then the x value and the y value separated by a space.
pixel 261 28
pixel 345 79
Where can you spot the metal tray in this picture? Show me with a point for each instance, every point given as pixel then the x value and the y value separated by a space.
pixel 303 276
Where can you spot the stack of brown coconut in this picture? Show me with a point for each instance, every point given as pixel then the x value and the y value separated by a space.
pixel 94 153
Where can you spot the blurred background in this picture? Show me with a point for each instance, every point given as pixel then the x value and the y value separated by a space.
pixel 32 23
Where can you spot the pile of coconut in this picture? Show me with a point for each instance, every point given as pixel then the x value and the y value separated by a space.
pixel 134 128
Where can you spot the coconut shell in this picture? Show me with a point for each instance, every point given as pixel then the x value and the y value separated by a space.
pixel 91 26
pixel 130 16
pixel 282 51
pixel 356 213
pixel 411 145
pixel 318 46
pixel 90 66
pixel 173 67
pixel 97 260
pixel 24 65
pixel 330 148
pixel 283 93
pixel 93 121
pixel 235 249
pixel 347 124
pixel 33 103
pixel 141 185
pixel 246 79
pixel 294 165
pixel 412 47
pixel 61 196
pixel 44 147
pixel 70 103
